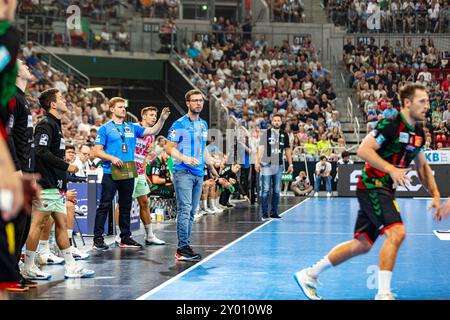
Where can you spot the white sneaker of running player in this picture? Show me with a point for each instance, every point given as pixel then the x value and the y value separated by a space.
pixel 77 271
pixel 79 255
pixel 48 258
pixel 307 283
pixel 34 273
pixel 385 296
pixel 154 240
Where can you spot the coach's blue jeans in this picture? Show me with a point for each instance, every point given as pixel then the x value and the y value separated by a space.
pixel 270 181
pixel 188 189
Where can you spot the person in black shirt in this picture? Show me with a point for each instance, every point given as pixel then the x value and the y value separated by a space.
pixel 11 186
pixel 269 161
pixel 50 164
pixel 229 181
pixel 21 147
pixel 158 174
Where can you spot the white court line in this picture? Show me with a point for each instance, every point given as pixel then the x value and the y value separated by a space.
pixel 165 284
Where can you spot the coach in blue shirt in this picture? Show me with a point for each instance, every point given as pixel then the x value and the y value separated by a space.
pixel 115 144
pixel 187 145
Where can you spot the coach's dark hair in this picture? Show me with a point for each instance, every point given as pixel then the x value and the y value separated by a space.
pixel 408 91
pixel 190 93
pixel 47 97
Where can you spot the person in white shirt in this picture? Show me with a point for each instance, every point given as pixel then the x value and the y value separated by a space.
pixel 323 172
pixel 28 50
pixel 84 126
pixel 426 74
pixel 81 161
pixel 217 53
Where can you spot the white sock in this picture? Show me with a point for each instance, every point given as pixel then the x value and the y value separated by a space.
pixel 70 233
pixel 148 230
pixel 320 267
pixel 68 257
pixel 44 246
pixel 205 203
pixel 384 281
pixel 211 203
pixel 216 202
pixel 29 259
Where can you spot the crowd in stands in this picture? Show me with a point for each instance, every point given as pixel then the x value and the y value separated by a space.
pixel 377 73
pixel 287 10
pixel 96 10
pixel 412 16
pixel 253 81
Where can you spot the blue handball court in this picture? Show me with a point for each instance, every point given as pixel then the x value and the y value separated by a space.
pixel 260 264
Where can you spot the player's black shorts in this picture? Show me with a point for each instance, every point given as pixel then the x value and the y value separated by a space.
pixel 378 212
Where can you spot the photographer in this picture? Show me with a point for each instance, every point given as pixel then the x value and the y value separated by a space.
pixel 301 186
pixel 323 170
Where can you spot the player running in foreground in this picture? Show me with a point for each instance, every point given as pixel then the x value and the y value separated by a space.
pixel 388 151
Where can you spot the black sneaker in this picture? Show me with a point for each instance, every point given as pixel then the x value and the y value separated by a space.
pixel 129 243
pixel 229 205
pixel 27 283
pixel 276 216
pixel 99 244
pixel 265 218
pixel 187 254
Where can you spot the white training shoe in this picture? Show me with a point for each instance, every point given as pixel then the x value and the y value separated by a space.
pixel 209 210
pixel 216 209
pixel 34 273
pixel 308 284
pixel 79 255
pixel 316 194
pixel 385 296
pixel 154 240
pixel 328 194
pixel 48 258
pixel 77 271
pixel 117 240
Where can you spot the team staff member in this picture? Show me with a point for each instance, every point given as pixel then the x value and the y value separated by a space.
pixel 11 190
pixel 269 161
pixel 187 146
pixel 142 158
pixel 50 164
pixel 21 147
pixel 115 144
pixel 157 171
pixel 388 151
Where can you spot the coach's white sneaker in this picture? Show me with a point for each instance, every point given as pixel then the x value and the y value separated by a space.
pixel 385 296
pixel 307 283
pixel 316 194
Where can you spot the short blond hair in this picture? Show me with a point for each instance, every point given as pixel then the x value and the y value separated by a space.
pixel 115 100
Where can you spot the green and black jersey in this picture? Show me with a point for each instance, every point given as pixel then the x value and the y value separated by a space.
pixel 157 167
pixel 400 144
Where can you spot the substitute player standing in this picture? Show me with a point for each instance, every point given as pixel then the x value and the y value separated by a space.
pixel 388 151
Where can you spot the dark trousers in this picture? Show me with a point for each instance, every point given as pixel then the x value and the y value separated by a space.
pixel 22 224
pixel 253 184
pixel 109 188
pixel 245 173
pixel 8 272
pixel 224 197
